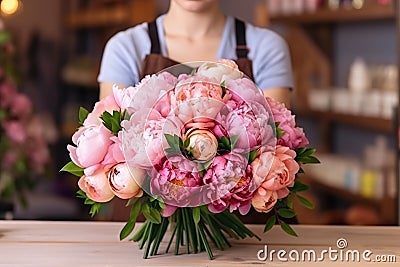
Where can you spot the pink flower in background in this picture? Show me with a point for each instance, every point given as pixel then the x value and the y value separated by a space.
pixel 39 154
pixel 9 158
pixel 86 140
pixel 96 186
pixel 21 106
pixel 293 137
pixel 124 181
pixel 7 94
pixel 15 131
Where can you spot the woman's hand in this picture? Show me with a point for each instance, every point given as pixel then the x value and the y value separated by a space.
pixel 106 88
pixel 281 94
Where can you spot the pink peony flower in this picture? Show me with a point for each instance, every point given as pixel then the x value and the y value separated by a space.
pixel 114 154
pixel 246 90
pixel 106 104
pixel 197 97
pixel 15 131
pixel 276 170
pixel 221 70
pixel 202 144
pixel 264 200
pixel 168 210
pixel 293 136
pixel 96 186
pixel 223 174
pixel 21 106
pixel 144 137
pixel 146 94
pixel 250 123
pixel 124 181
pixel 238 198
pixel 92 144
pixel 177 182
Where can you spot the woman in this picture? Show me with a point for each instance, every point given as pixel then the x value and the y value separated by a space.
pixel 196 30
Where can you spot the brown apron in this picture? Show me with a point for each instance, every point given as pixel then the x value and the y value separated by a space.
pixel 155 62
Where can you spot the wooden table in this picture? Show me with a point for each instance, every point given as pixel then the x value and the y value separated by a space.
pixel 92 244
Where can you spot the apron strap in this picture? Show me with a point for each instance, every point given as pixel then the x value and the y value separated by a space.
pixel 154 39
pixel 241 47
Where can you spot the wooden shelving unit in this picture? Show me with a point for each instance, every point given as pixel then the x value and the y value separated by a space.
pixel 117 15
pixel 340 15
pixel 313 37
pixel 370 123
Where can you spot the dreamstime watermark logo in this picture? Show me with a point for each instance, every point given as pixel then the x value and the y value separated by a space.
pixel 340 253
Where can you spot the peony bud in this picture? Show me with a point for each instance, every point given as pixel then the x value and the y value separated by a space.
pixel 203 144
pixel 96 187
pixel 123 181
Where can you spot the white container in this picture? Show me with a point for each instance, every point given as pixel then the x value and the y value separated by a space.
pixel 319 99
pixel 372 104
pixel 359 78
pixel 389 100
pixel 340 101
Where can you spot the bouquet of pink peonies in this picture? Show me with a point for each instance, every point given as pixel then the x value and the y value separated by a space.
pixel 187 147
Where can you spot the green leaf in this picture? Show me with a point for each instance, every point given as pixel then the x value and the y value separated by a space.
pixel 196 215
pixel 299 187
pixel 3 115
pixel 270 223
pixel 223 87
pixel 95 209
pixel 127 229
pixel 72 168
pixel 151 214
pixel 161 204
pixel 83 113
pixel 131 201
pixel 252 155
pixel 289 201
pixel 305 202
pixel 234 140
pixel 286 213
pixel 287 228
pixel 279 131
pixel 175 144
pixel 186 143
pixel 226 143
pixel 4 37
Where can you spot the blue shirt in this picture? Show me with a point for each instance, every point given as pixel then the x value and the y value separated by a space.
pixel 125 51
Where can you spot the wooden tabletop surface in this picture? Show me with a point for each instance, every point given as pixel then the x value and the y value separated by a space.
pixel 95 244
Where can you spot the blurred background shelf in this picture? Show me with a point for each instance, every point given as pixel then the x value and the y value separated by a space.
pixel 371 123
pixel 109 15
pixel 340 15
